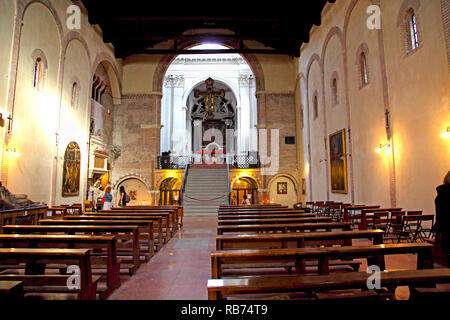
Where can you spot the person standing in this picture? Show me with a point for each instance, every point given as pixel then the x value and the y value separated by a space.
pixel 107 204
pixel 245 200
pixel 442 225
pixel 124 198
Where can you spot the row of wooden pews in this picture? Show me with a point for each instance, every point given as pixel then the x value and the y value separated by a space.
pixel 311 257
pixel 82 256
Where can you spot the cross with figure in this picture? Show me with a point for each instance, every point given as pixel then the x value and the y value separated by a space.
pixel 210 96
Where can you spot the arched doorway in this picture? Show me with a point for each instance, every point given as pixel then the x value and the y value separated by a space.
pixel 136 189
pixel 244 186
pixel 169 192
pixel 283 190
pixel 186 102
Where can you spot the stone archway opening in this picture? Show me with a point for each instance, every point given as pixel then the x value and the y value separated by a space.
pixel 244 186
pixel 169 192
pixel 183 106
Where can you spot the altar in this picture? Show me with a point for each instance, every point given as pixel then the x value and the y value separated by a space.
pixel 212 115
pixel 212 156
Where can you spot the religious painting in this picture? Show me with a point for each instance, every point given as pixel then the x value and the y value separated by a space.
pixel 281 187
pixel 71 171
pixel 338 162
pixel 132 194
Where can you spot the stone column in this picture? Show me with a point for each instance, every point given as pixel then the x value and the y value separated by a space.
pixel 198 138
pixel 178 118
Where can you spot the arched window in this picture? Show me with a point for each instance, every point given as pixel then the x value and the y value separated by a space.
pixel 315 107
pixel 38 74
pixel 411 30
pixel 334 88
pixel 39 71
pixel 75 95
pixel 364 75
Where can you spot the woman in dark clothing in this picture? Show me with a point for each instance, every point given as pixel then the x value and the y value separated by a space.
pixel 442 202
pixel 122 197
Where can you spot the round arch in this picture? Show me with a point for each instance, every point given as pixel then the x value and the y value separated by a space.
pixel 23 5
pixel 119 181
pixel 169 191
pixel 113 74
pixel 244 186
pixel 283 189
pixel 285 175
pixel 166 61
pixel 76 36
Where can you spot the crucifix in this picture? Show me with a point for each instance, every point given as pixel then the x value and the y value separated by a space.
pixel 210 96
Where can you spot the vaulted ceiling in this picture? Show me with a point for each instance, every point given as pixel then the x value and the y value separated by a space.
pixel 138 26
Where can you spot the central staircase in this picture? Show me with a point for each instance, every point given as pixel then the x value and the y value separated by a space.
pixel 206 189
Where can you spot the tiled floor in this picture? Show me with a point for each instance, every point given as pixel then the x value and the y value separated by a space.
pixel 181 269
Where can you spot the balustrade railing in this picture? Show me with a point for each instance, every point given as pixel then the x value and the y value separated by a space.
pixel 246 161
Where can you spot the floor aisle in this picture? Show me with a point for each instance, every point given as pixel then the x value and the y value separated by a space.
pixel 180 270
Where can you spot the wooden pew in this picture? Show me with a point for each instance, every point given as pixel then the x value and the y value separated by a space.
pixel 288 227
pixel 374 254
pixel 252 208
pixel 122 232
pixel 169 217
pixel 251 205
pixel 178 209
pixel 273 221
pixel 164 216
pixel 145 225
pixel 258 213
pixel 299 240
pixel 11 290
pixel 176 212
pixel 34 274
pixel 109 243
pixel 218 289
pixel 157 225
pixel 267 216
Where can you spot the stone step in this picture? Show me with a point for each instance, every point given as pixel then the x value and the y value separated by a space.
pixel 205 184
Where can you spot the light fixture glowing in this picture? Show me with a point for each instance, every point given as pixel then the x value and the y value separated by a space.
pixel 386 147
pixel 13 151
pixel 446 133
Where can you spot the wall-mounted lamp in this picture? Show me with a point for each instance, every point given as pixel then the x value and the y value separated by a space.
pixel 13 151
pixel 446 133
pixel 385 146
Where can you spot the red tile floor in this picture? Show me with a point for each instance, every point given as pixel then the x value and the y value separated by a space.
pixel 180 270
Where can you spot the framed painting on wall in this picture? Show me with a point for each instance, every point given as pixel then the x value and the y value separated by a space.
pixel 281 187
pixel 338 162
pixel 71 171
